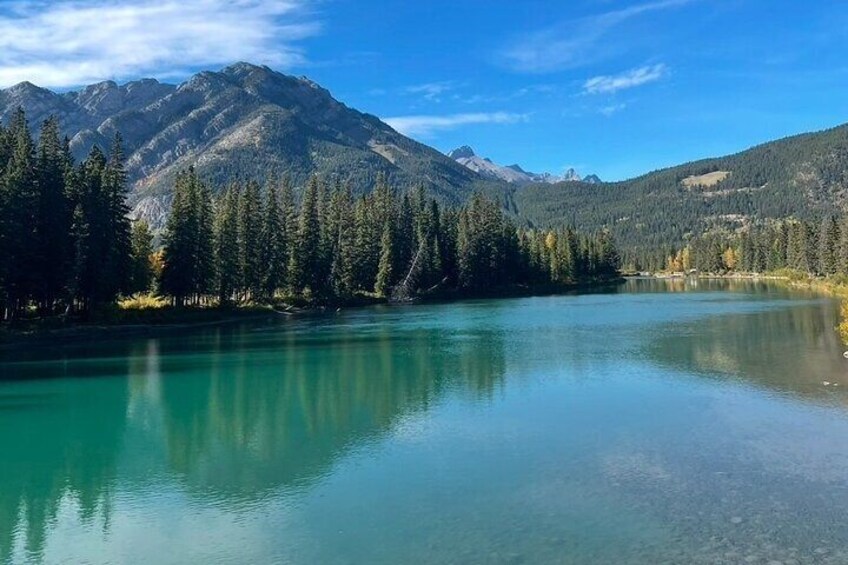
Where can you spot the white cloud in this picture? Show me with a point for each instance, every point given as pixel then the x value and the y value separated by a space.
pixel 573 43
pixel 608 84
pixel 424 126
pixel 72 42
pixel 431 91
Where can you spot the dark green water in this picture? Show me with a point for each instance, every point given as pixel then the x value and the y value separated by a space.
pixel 663 423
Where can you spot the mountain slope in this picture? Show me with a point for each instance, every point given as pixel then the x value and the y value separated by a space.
pixel 804 176
pixel 242 122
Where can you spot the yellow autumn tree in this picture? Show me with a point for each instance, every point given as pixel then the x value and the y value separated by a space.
pixel 730 259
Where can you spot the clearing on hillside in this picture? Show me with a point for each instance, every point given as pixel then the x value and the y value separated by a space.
pixel 707 180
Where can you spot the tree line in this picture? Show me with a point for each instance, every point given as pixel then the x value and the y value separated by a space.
pixel 68 245
pixel 252 244
pixel 809 247
pixel 65 237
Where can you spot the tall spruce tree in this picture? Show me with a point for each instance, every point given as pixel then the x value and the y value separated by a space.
pixel 227 263
pixel 250 233
pixel 53 244
pixel 306 260
pixel 382 285
pixel 828 250
pixel 141 270
pixel 273 253
pixel 21 201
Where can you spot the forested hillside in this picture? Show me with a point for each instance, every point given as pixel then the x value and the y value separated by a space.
pixel 805 177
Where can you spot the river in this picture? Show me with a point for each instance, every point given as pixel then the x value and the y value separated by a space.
pixel 663 422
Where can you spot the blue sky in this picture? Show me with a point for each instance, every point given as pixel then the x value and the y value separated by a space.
pixel 616 88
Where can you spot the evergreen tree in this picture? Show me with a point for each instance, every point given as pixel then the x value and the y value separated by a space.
pixel 20 199
pixel 227 263
pixel 828 241
pixel 188 254
pixel 141 273
pixel 273 253
pixel 117 225
pixel 250 233
pixel 305 264
pixel 382 285
pixel 178 252
pixel 342 270
pixel 53 244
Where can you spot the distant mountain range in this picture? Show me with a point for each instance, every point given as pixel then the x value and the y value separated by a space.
pixel 250 122
pixel 243 122
pixel 512 174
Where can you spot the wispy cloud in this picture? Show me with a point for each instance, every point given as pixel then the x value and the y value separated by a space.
pixel 607 84
pixel 431 91
pixel 71 42
pixel 424 126
pixel 573 43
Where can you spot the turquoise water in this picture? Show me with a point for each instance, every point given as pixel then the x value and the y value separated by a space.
pixel 667 422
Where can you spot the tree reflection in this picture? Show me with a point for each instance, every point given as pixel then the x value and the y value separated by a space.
pixel 790 350
pixel 234 414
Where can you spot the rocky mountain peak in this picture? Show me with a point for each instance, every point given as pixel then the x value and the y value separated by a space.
pixel 464 152
pixel 570 175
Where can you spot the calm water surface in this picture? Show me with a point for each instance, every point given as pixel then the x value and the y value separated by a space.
pixel 663 423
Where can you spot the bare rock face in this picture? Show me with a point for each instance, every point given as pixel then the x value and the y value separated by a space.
pixel 243 122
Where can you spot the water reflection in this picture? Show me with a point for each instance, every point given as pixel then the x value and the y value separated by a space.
pixel 241 414
pixel 794 350
pixel 57 445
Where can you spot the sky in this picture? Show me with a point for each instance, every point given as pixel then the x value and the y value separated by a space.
pixel 615 88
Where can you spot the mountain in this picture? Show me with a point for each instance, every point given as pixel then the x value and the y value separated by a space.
pixel 243 122
pixel 512 174
pixel 466 157
pixel 803 176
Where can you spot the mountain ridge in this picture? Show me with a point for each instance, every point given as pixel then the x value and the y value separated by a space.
pixel 240 122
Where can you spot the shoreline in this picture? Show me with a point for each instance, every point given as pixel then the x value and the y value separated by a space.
pixel 797 281
pixel 163 322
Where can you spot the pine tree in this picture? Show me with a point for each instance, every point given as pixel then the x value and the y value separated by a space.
pixel 53 244
pixel 117 224
pixel 305 264
pixel 20 198
pixel 828 241
pixel 382 284
pixel 227 263
pixel 205 250
pixel 288 227
pixel 366 249
pixel 250 232
pixel 342 271
pixel 273 246
pixel 141 273
pixel 610 261
pixel 842 255
pixel 178 273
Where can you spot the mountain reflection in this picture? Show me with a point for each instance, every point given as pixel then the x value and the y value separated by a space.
pixel 232 414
